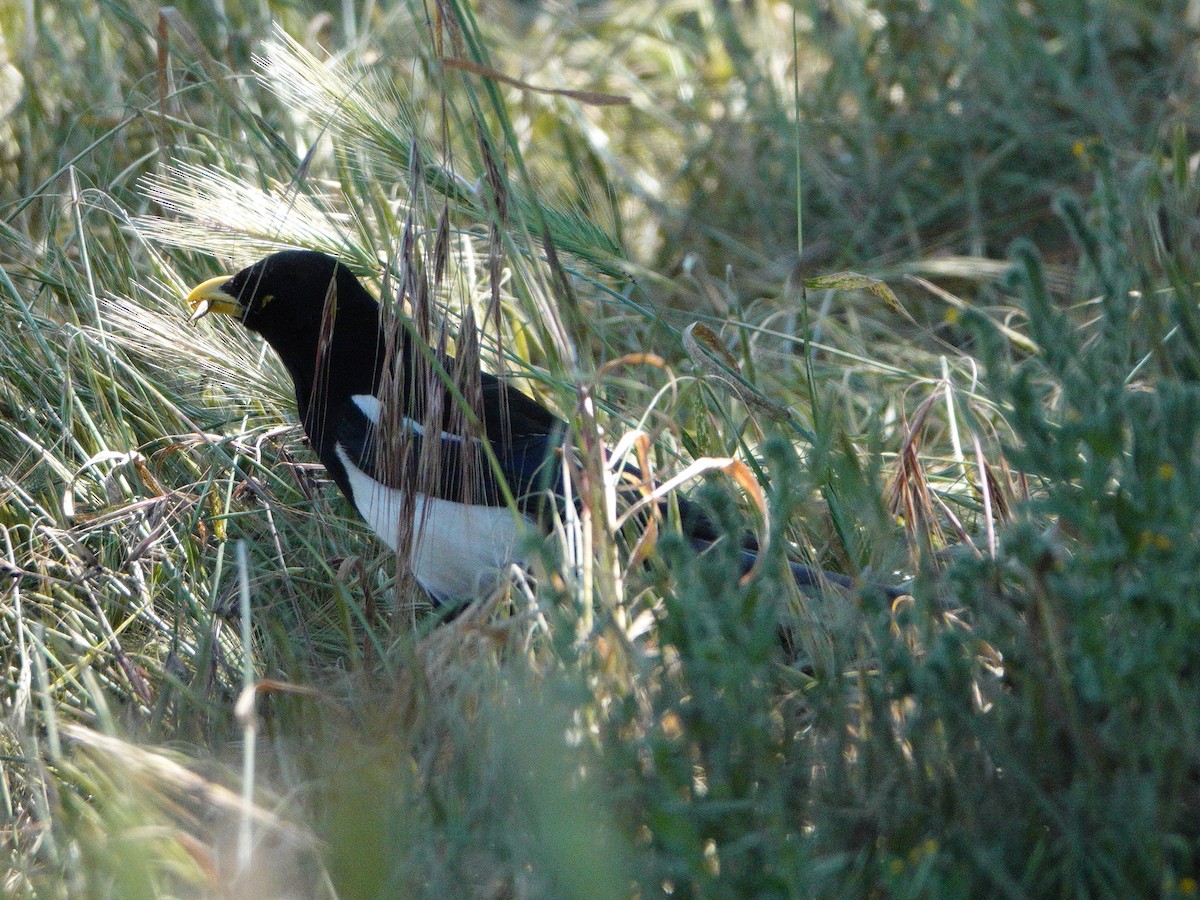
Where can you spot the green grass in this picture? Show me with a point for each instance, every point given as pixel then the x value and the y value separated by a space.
pixel 1013 424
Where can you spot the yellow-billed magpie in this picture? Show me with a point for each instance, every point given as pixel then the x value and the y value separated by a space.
pixel 327 331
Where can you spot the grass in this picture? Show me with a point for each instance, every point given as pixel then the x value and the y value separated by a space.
pixel 218 684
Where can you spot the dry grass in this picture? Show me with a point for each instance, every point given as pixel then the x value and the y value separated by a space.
pixel 1012 427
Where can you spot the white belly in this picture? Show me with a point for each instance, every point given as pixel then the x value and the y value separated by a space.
pixel 459 551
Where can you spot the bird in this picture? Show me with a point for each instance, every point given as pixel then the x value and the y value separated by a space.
pixel 380 413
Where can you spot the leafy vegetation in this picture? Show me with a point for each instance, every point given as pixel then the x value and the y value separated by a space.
pixel 923 273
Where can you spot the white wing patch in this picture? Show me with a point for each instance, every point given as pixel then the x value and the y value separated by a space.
pixel 370 407
pixel 459 550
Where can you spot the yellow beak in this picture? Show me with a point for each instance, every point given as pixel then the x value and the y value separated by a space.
pixel 208 297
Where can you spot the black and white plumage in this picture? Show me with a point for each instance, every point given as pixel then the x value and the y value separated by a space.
pixel 435 492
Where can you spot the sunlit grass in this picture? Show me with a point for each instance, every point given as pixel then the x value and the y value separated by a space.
pixel 1016 432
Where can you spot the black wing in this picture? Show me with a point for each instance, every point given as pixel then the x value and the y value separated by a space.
pixel 401 452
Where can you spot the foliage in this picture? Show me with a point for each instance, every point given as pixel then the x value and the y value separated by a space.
pixel 1013 423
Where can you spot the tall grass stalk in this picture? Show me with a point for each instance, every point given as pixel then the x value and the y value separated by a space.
pixel 1001 404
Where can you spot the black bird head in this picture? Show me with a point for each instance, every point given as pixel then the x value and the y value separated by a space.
pixel 284 297
pixel 319 319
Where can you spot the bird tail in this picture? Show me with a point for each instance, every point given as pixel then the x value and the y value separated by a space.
pixel 806 576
